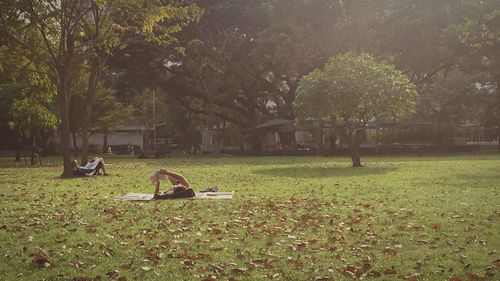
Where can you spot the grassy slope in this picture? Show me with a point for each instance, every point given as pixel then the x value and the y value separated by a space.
pixel 293 218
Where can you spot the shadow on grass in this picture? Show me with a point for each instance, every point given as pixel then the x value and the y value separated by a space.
pixel 483 176
pixel 323 172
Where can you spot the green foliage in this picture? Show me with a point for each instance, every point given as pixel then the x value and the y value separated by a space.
pixel 478 29
pixel 456 97
pixel 353 88
pixel 17 66
pixel 30 112
pixel 156 21
pixel 107 111
pixel 314 99
pixel 241 61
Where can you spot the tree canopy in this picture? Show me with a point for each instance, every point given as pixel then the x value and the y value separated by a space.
pixel 352 89
pixel 239 63
pixel 242 62
pixel 61 37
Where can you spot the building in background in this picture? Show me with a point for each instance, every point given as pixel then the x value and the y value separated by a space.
pixel 118 138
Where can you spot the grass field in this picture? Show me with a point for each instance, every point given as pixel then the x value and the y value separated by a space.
pixel 293 218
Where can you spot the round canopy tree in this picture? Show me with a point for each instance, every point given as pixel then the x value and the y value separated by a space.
pixel 352 89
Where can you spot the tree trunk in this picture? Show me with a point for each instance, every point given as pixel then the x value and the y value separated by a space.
pixel 64 133
pixel 84 149
pixel 18 154
pixel 333 142
pixel 25 159
pixel 220 137
pixel 75 147
pixel 105 140
pixel 220 141
pixel 147 143
pixel 18 151
pixel 32 156
pixel 33 152
pixel 288 107
pixel 252 135
pixel 87 114
pixel 255 140
pixel 319 150
pixel 63 82
pixel 497 80
pixel 354 148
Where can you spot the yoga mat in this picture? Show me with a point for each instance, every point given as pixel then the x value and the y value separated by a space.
pixel 198 196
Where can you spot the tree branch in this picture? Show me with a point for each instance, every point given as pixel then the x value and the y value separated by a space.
pixel 42 26
pixel 207 112
pixel 31 50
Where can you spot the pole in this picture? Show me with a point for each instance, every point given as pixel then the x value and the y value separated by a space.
pixel 154 121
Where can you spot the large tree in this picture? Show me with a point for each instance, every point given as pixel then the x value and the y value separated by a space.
pixel 28 113
pixel 479 34
pixel 49 32
pixel 311 103
pixel 457 96
pixel 245 69
pixel 242 62
pixel 111 24
pixel 357 88
pixel 62 35
pixel 107 112
pixel 27 95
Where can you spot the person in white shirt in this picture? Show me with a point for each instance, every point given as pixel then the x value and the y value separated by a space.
pixel 92 168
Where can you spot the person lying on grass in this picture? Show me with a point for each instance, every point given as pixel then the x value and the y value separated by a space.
pixel 180 188
pixel 92 168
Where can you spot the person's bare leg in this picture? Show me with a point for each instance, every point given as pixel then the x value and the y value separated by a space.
pixel 103 166
pixel 100 165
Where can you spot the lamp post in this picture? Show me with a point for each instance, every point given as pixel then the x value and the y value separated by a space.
pixel 113 75
pixel 105 129
pixel 154 120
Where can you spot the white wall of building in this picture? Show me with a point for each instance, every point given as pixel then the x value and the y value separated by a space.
pixel 113 139
pixel 208 143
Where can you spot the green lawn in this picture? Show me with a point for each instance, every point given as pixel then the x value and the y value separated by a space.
pixel 293 218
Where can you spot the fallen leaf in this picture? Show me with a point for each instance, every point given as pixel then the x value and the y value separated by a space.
pixel 90 229
pixel 374 273
pixel 436 226
pixel 473 277
pixel 240 270
pixel 323 278
pixel 112 273
pixel 390 270
pixel 40 260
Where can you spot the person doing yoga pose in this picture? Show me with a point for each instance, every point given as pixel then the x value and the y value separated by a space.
pixel 180 189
